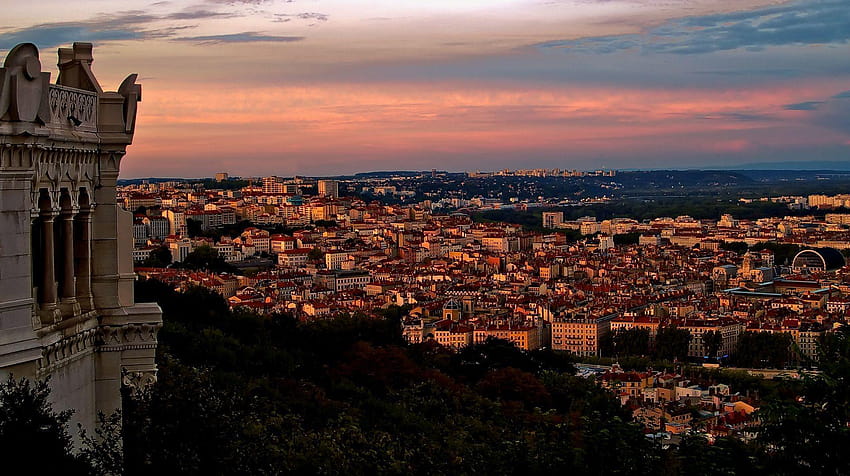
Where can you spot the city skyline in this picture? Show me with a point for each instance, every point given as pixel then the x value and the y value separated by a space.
pixel 328 87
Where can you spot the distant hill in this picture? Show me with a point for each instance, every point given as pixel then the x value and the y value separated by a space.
pixel 821 165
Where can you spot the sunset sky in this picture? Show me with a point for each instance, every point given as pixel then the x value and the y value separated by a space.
pixel 325 87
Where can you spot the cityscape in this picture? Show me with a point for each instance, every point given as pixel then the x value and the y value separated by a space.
pixel 416 252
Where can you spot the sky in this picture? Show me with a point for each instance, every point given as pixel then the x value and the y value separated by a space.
pixel 329 87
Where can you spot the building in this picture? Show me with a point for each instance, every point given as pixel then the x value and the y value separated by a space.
pixel 273 185
pixel 176 221
pixel 336 259
pixel 294 258
pixel 329 188
pixel 221 177
pixel 180 247
pixel 580 336
pixel 553 219
pixel 67 310
pixel 818 259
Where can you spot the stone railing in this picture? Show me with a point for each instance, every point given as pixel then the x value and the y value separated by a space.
pixel 75 108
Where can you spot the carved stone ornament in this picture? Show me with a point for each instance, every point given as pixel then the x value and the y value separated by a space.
pixel 23 87
pixel 137 381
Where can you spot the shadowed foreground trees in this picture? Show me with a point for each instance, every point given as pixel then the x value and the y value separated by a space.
pixel 244 394
pixel 31 432
pixel 347 396
pixel 763 349
pixel 811 434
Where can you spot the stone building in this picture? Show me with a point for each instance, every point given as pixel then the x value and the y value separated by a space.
pixel 67 309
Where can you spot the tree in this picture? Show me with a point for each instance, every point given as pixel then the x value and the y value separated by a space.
pixel 711 341
pixel 763 349
pixel 606 344
pixel 105 450
pixel 627 239
pixel 811 434
pixel 739 247
pixel 316 255
pixel 672 343
pixel 696 457
pixel 631 342
pixel 325 223
pixel 207 258
pixel 31 431
pixel 261 395
pixel 160 257
pixel 194 228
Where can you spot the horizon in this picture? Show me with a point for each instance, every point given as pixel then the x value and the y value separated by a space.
pixel 324 87
pixel 742 168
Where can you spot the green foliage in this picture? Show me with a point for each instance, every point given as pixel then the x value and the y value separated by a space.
pixel 711 342
pixel 316 255
pixel 229 184
pixel 325 223
pixel 627 239
pixel 763 349
pixel 347 396
pixel 783 253
pixel 671 343
pixel 206 258
pixel 159 258
pixel 705 207
pixel 811 434
pixel 695 456
pixel 31 431
pixel 104 450
pixel 230 230
pixel 194 228
pixel 739 247
pixel 625 342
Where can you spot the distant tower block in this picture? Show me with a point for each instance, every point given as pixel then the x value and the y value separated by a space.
pixel 553 219
pixel 67 309
pixel 329 188
pixel 221 177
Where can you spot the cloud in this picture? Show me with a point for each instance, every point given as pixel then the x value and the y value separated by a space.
pixel 835 115
pixel 197 15
pixel 246 2
pixel 126 25
pixel 803 106
pixel 832 113
pixel 740 117
pixel 245 37
pixel 315 18
pixel 816 22
pixel 54 35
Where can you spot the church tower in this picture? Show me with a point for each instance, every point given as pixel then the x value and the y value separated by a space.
pixel 67 308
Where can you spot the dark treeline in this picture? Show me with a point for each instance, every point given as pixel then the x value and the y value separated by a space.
pixel 347 396
pixel 244 394
pixel 696 207
pixel 272 395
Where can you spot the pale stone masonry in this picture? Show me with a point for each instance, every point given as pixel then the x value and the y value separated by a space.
pixel 67 309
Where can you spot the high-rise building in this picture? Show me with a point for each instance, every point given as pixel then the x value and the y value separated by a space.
pixel 273 185
pixel 329 188
pixel 221 176
pixel 67 310
pixel 553 219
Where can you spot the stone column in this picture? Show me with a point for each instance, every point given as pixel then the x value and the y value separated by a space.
pixel 48 276
pixel 69 288
pixel 104 239
pixel 82 255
